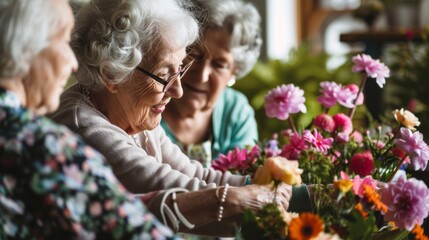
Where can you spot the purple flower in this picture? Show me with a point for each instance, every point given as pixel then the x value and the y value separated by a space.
pixel 415 147
pixel 317 141
pixel 284 100
pixel 373 68
pixel 407 201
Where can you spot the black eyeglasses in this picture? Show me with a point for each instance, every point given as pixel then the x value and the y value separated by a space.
pixel 171 79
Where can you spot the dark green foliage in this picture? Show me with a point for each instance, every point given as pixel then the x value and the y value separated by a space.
pixel 306 70
pixel 409 81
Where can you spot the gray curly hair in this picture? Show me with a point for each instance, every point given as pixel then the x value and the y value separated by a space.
pixel 243 21
pixel 24 34
pixel 112 37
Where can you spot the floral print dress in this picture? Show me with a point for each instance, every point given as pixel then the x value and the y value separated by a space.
pixel 54 186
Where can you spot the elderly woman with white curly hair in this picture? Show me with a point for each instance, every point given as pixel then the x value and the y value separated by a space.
pixel 132 56
pixel 52 184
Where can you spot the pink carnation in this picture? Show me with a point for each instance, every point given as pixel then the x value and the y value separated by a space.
pixel 343 123
pixel 329 92
pixel 362 163
pixel 407 201
pixel 317 141
pixel 373 68
pixel 325 122
pixel 333 92
pixel 284 100
pixel 294 148
pixel 354 89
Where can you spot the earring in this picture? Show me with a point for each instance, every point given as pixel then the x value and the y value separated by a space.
pixel 231 81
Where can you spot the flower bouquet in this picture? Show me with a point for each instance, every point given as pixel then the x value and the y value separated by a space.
pixel 355 176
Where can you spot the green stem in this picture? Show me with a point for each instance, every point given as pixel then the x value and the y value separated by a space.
pixel 397 168
pixel 292 124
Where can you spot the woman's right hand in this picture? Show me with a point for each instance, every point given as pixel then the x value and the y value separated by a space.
pixel 255 197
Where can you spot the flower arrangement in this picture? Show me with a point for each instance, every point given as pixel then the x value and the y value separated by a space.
pixel 356 176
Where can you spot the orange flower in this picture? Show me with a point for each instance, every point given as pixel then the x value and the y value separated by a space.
pixel 306 226
pixel 419 233
pixel 373 197
pixel 343 185
pixel 359 207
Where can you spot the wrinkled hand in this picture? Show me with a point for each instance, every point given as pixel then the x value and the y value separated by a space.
pixel 257 196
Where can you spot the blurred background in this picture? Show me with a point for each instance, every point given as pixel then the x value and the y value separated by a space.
pixel 310 41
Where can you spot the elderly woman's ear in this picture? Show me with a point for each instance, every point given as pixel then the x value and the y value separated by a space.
pixel 112 87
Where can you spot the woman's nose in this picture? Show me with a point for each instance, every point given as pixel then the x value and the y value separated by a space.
pixel 202 72
pixel 176 90
pixel 73 62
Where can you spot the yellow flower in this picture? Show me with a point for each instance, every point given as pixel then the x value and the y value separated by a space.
pixel 305 227
pixel 343 185
pixel 406 118
pixel 262 176
pixel 284 170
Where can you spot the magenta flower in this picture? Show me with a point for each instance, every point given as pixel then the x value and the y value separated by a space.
pixel 362 163
pixel 415 147
pixel 325 122
pixel 317 141
pixel 234 159
pixel 294 148
pixel 407 201
pixel 343 123
pixel 373 68
pixel 284 100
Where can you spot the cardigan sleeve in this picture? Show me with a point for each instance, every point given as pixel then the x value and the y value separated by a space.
pixel 171 153
pixel 140 170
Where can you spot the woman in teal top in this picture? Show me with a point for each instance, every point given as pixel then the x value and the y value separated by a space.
pixel 212 118
pixel 233 125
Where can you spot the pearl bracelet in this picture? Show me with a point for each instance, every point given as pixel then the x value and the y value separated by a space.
pixel 222 201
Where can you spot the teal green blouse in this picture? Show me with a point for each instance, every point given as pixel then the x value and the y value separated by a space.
pixel 234 123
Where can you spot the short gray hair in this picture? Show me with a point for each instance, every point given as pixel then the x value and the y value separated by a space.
pixel 26 27
pixel 243 21
pixel 112 37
